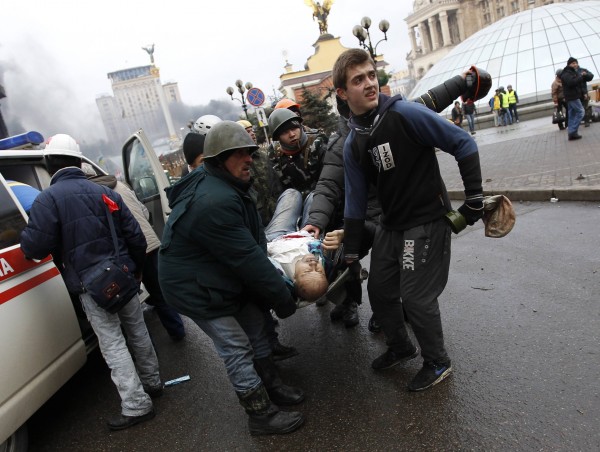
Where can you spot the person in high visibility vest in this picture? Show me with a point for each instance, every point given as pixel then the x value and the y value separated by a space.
pixel 504 113
pixel 513 100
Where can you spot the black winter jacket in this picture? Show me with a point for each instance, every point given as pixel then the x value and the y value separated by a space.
pixel 574 83
pixel 327 209
pixel 213 256
pixel 69 219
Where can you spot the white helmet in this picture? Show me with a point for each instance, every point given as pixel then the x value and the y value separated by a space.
pixel 62 144
pixel 204 123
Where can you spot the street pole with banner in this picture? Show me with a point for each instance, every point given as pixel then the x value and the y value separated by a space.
pixel 262 121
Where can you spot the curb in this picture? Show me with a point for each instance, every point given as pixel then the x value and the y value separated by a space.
pixel 563 194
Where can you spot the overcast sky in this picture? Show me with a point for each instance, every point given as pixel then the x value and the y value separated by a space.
pixel 54 55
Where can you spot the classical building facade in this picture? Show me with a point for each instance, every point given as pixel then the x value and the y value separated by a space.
pixel 436 26
pixel 139 100
pixel 316 75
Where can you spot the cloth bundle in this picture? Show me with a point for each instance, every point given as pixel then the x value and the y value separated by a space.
pixel 498 216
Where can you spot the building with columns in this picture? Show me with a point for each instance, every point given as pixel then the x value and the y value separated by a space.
pixel 436 26
pixel 316 75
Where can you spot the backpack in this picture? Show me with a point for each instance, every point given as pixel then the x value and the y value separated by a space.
pixel 491 103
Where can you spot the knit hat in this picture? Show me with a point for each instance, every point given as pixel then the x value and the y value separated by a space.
pixel 193 146
pixel 572 60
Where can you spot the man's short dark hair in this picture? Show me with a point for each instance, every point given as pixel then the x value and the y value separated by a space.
pixel 193 146
pixel 348 59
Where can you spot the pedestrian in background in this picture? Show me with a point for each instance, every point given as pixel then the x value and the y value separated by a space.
pixel 469 111
pixel 558 97
pixel 457 116
pixel 573 82
pixel 513 100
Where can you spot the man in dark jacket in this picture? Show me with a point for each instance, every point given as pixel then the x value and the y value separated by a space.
pixel 214 268
pixel 327 209
pixel 573 82
pixel 69 220
pixel 392 145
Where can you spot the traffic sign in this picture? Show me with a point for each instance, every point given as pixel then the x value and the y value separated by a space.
pixel 262 117
pixel 255 97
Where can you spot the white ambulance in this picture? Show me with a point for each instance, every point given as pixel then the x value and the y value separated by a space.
pixel 44 336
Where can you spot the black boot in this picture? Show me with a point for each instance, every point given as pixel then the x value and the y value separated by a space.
pixel 281 352
pixel 264 417
pixel 279 393
pixel 350 316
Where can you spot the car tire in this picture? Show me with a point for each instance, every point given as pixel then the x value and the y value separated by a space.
pixel 17 442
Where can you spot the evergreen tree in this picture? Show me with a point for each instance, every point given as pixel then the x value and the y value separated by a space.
pixel 316 111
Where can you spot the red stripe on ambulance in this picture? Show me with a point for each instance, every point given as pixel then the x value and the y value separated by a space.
pixel 20 289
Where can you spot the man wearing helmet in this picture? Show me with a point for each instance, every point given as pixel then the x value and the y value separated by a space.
pixel 204 123
pixel 297 158
pixel 69 220
pixel 214 268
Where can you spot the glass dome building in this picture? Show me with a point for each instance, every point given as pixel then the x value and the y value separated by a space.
pixel 525 50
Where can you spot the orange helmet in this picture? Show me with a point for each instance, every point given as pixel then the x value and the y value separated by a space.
pixel 286 103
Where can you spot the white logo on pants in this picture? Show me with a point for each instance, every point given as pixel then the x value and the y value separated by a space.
pixel 385 156
pixel 408 257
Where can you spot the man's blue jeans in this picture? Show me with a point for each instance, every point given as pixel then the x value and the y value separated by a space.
pixel 290 213
pixel 471 122
pixel 576 113
pixel 239 339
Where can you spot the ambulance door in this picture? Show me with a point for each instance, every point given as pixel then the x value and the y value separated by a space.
pixel 146 176
pixel 40 341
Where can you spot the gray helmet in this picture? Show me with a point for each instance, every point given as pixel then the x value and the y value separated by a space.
pixel 226 136
pixel 279 117
pixel 559 72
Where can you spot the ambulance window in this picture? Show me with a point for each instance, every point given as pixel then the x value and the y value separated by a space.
pixel 11 220
pixel 141 174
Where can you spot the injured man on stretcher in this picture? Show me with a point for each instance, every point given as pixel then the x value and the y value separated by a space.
pixel 307 264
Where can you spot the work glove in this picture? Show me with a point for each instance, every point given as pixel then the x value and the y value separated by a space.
pixel 286 308
pixel 472 210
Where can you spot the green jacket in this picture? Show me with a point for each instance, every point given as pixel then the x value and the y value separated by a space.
pixel 213 256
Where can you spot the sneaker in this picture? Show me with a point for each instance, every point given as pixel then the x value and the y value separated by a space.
pixel 390 358
pixel 574 136
pixel 430 374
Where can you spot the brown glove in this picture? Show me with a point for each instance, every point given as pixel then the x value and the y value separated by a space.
pixel 498 216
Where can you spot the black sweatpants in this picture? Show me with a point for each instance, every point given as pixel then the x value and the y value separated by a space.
pixel 410 268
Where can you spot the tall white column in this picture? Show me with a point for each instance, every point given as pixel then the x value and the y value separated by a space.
pixel 413 40
pixel 424 37
pixel 445 28
pixel 435 44
pixel 461 25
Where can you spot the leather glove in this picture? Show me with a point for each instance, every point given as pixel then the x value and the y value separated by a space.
pixel 285 309
pixel 472 211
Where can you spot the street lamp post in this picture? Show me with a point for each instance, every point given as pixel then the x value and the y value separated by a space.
pixel 364 37
pixel 242 89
